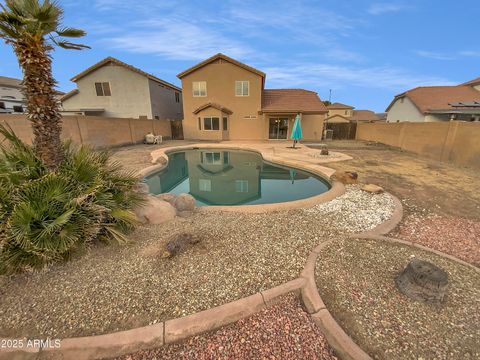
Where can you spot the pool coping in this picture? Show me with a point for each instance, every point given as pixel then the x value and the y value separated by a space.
pixel 337 188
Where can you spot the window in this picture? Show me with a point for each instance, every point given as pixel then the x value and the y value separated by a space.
pixel 2 105
pixel 18 109
pixel 211 123
pixel 225 123
pixel 204 185
pixel 241 88
pixel 199 124
pixel 177 97
pixel 103 89
pixel 241 186
pixel 199 88
pixel 226 158
pixel 211 158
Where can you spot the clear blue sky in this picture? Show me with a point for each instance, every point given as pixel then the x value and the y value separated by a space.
pixel 365 51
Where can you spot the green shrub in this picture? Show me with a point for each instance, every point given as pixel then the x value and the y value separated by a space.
pixel 46 215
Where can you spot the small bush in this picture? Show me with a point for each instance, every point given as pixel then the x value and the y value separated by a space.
pixel 46 215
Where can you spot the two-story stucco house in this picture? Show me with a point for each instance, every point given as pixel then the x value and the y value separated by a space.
pixel 341 113
pixel 113 88
pixel 11 97
pixel 437 103
pixel 224 99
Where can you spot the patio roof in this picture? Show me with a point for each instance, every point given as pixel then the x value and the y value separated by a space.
pixel 292 101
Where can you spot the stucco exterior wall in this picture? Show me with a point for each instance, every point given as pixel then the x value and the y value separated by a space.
pixel 130 93
pixel 220 78
pixel 343 112
pixel 163 102
pixel 404 111
pixel 95 131
pixel 312 126
pixel 452 141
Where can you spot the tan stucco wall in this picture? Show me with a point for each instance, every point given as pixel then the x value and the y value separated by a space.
pixel 337 119
pixel 343 112
pixel 130 93
pixel 93 130
pixel 312 126
pixel 452 141
pixel 220 78
pixel 404 111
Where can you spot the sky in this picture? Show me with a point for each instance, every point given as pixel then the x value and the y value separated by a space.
pixel 365 52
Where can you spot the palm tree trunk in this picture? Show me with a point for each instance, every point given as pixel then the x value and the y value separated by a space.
pixel 42 105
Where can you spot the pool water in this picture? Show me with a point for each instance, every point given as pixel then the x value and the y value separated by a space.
pixel 231 177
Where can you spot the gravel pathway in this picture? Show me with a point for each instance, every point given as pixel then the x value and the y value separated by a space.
pixel 115 288
pixel 455 236
pixel 355 211
pixel 356 281
pixel 281 331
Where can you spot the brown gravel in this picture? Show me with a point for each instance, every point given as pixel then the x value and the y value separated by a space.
pixel 356 281
pixel 455 236
pixel 281 331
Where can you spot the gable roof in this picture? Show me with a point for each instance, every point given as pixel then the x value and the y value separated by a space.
pixel 10 82
pixel 222 57
pixel 213 105
pixel 431 98
pixel 110 59
pixel 338 106
pixel 69 94
pixel 364 115
pixel 472 82
pixel 292 100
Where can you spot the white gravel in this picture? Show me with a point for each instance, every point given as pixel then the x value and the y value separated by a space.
pixel 356 210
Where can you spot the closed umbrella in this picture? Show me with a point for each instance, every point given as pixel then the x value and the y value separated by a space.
pixel 296 131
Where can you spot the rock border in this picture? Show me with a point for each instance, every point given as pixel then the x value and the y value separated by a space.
pixel 337 188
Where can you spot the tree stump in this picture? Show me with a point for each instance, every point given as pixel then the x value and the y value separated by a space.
pixel 423 281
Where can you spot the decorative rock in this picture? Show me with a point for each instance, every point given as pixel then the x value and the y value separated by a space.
pixel 184 202
pixel 372 188
pixel 346 177
pixel 168 197
pixel 179 243
pixel 155 211
pixel 324 149
pixel 423 281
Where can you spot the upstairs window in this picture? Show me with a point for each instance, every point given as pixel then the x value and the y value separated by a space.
pixel 199 88
pixel 103 89
pixel 242 88
pixel 177 97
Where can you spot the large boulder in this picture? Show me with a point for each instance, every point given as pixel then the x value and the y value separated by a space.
pixel 168 197
pixel 184 202
pixel 372 188
pixel 155 211
pixel 346 177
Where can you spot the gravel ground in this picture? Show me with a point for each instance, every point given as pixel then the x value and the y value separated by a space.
pixel 455 236
pixel 115 288
pixel 356 281
pixel 281 331
pixel 356 210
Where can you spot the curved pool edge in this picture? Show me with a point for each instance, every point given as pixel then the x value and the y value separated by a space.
pixel 337 188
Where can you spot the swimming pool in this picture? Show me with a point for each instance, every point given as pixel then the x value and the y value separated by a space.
pixel 233 177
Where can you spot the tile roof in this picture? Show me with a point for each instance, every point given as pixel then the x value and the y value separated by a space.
pixel 110 59
pixel 223 57
pixel 364 115
pixel 472 82
pixel 338 105
pixel 438 97
pixel 69 94
pixel 11 82
pixel 292 100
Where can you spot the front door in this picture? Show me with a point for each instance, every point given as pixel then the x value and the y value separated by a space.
pixel 278 128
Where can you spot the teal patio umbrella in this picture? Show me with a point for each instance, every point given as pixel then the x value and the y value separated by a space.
pixel 297 130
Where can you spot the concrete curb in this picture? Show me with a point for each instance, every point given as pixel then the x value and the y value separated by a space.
pixel 154 336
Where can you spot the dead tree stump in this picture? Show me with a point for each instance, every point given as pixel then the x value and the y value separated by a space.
pixel 423 281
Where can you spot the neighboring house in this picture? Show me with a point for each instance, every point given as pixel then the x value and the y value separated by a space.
pixel 224 99
pixel 341 113
pixel 11 98
pixel 437 103
pixel 113 88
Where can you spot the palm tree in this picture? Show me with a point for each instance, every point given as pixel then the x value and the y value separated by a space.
pixel 33 29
